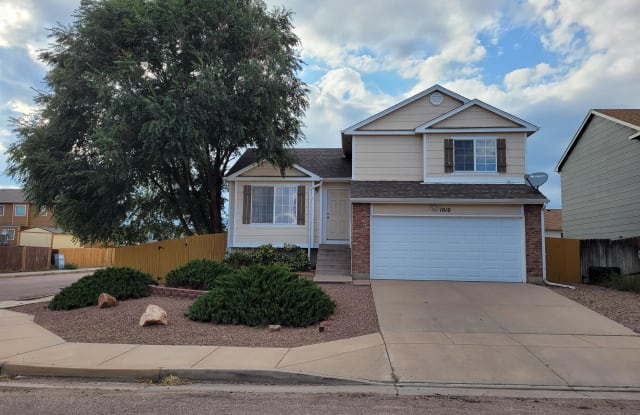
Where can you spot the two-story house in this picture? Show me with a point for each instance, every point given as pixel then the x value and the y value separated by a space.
pixel 600 176
pixel 16 215
pixel 431 188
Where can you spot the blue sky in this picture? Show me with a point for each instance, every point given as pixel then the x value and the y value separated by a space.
pixel 546 61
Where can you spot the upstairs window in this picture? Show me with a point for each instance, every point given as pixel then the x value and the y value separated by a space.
pixel 1 210
pixel 44 212
pixel 21 210
pixel 473 155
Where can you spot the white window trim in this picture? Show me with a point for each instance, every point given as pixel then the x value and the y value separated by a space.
pixel 474 139
pixel 15 210
pixel 9 231
pixel 273 213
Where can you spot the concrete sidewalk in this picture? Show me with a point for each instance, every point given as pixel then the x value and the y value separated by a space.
pixel 435 359
pixel 50 272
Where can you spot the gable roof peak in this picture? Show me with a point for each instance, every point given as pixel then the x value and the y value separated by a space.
pixel 416 97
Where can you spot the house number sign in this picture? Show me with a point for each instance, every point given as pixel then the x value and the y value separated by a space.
pixel 440 209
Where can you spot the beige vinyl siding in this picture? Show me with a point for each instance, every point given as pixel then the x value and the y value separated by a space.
pixel 601 183
pixel 257 234
pixel 232 212
pixel 35 237
pixel 64 240
pixel 412 115
pixel 267 170
pixel 515 153
pixel 475 117
pixel 387 158
pixel 455 210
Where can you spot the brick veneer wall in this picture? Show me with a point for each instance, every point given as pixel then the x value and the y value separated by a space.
pixel 360 240
pixel 533 244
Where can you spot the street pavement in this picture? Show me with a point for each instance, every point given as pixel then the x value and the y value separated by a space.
pixel 465 336
pixel 24 286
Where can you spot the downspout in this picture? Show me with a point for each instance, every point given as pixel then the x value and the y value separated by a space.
pixel 312 209
pixel 544 256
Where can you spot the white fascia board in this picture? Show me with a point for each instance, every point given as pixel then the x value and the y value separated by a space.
pixel 478 130
pixel 526 126
pixel 336 179
pixel 616 120
pixel 383 132
pixel 277 179
pixel 573 141
pixel 634 136
pixel 476 180
pixel 351 130
pixel 451 201
pixel 237 175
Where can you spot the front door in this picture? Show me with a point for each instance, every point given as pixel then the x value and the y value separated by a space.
pixel 337 225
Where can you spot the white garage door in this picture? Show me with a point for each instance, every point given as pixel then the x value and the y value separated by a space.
pixel 456 249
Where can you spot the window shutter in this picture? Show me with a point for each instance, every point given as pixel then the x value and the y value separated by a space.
pixel 448 155
pixel 300 207
pixel 501 147
pixel 246 204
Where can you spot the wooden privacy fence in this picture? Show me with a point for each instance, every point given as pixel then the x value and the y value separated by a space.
pixel 621 253
pixel 24 258
pixel 158 258
pixel 563 260
pixel 88 257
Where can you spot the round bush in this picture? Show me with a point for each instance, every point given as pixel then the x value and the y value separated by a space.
pixel 261 295
pixel 197 274
pixel 122 283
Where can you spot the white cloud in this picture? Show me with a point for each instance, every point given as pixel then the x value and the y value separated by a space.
pixel 19 106
pixel 15 17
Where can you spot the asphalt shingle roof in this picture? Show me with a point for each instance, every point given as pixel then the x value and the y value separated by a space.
pixel 325 162
pixel 631 116
pixel 11 196
pixel 418 190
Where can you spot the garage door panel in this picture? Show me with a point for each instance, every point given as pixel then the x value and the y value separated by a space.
pixel 464 249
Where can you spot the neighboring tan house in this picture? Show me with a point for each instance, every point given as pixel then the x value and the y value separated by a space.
pixel 431 188
pixel 16 215
pixel 47 237
pixel 600 176
pixel 553 223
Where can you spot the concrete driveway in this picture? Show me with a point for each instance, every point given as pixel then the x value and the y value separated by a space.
pixel 501 334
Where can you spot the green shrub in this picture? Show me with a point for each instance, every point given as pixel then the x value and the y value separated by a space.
pixel 122 283
pixel 291 256
pixel 623 282
pixel 197 274
pixel 70 265
pixel 240 258
pixel 260 295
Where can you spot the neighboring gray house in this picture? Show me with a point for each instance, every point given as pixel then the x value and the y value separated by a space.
pixel 600 175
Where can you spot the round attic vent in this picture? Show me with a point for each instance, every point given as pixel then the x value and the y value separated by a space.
pixel 436 98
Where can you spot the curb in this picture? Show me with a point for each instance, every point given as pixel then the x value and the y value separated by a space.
pixel 262 377
pixel 42 273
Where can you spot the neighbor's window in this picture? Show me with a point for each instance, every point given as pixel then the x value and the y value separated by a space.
pixel 273 204
pixel 21 210
pixel 9 234
pixel 475 155
pixel 1 210
pixel 43 212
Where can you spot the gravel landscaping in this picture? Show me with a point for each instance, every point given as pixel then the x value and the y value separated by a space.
pixel 620 306
pixel 355 315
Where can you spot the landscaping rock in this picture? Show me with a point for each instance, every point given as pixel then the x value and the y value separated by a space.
pixel 153 315
pixel 275 327
pixel 106 300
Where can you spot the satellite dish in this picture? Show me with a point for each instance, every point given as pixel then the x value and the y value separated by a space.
pixel 536 179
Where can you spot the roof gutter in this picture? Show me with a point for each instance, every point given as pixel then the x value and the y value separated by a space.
pixel 450 201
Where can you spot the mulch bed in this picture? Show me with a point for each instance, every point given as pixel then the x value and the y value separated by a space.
pixel 620 306
pixel 355 315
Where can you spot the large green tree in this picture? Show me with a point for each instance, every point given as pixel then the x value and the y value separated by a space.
pixel 147 103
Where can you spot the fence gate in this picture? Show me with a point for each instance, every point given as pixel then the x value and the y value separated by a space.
pixel 563 260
